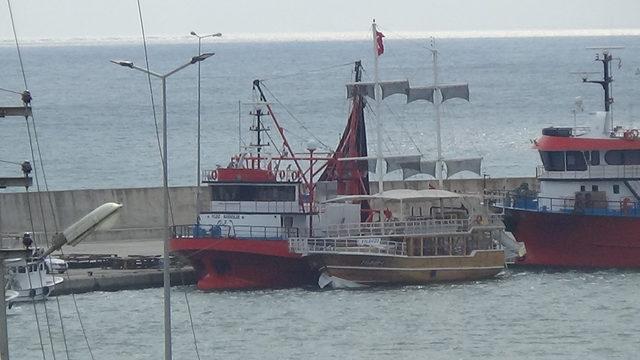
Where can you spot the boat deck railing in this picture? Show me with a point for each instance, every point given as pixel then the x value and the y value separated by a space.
pixel 592 172
pixel 626 208
pixel 192 231
pixel 356 246
pixel 418 227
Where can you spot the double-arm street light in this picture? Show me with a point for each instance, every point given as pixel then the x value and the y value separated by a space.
pixel 200 37
pixel 165 183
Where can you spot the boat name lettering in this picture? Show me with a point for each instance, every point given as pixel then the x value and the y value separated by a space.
pixel 372 262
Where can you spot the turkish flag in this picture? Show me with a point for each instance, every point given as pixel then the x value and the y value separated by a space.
pixel 379 44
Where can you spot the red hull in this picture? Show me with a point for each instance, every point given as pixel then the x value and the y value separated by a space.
pixel 572 240
pixel 223 263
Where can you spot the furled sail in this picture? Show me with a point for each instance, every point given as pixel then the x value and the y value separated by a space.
pixel 422 167
pixel 455 166
pixel 360 88
pixel 420 93
pixel 454 91
pixel 394 87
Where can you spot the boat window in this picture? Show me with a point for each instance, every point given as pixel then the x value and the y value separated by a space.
pixel 595 157
pixel 552 160
pixel 21 269
pixel 575 161
pixel 622 157
pixel 587 156
pixel 594 187
pixel 235 192
pixel 616 189
pixel 583 188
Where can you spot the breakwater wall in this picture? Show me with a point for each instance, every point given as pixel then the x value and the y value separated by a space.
pixel 140 220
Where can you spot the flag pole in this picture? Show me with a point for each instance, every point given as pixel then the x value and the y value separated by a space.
pixel 378 96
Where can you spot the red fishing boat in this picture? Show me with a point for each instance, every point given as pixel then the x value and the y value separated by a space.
pixel 586 213
pixel 259 200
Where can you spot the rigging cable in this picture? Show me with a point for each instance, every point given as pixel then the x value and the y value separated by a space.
pixel 153 104
pixel 165 162
pixel 296 119
pixel 26 97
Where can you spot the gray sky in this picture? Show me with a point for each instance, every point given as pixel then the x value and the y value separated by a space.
pixel 40 19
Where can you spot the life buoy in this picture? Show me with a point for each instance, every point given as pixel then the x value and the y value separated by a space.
pixel 213 175
pixel 295 176
pixel 282 174
pixel 478 219
pixel 625 205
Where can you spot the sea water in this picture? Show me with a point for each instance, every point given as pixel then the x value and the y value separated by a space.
pixel 96 130
pixel 520 315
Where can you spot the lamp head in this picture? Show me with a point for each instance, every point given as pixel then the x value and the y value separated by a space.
pixel 194 33
pixel 201 57
pixel 128 64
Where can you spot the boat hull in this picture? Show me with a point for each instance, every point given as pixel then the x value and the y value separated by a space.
pixel 367 269
pixel 575 240
pixel 226 264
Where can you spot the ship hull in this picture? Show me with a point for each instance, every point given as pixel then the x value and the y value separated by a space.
pixel 226 264
pixel 574 240
pixel 406 270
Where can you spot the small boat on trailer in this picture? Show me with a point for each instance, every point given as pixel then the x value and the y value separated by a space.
pixel 456 239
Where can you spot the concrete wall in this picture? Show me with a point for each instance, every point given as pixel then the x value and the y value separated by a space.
pixel 141 217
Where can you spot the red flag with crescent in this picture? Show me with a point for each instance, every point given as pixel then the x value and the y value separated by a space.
pixel 379 44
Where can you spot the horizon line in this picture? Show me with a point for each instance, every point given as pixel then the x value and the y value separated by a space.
pixel 334 36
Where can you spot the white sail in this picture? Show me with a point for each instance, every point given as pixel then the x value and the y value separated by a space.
pixel 458 165
pixel 361 88
pixel 420 93
pixel 451 91
pixel 394 87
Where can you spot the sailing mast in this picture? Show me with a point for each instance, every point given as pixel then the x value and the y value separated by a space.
pixel 437 99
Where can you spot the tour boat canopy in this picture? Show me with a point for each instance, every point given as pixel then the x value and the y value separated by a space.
pixel 400 195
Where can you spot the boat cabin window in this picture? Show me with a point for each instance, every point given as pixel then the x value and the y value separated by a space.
pixel 22 269
pixel 594 187
pixel 616 189
pixel 235 192
pixel 622 157
pixel 576 161
pixel 595 157
pixel 552 160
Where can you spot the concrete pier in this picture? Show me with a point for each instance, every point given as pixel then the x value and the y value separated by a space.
pixel 78 281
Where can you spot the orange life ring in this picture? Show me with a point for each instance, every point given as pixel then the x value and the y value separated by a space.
pixel 213 175
pixel 625 205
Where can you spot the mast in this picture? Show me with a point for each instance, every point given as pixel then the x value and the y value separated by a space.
pixel 606 81
pixel 437 99
pixel 378 97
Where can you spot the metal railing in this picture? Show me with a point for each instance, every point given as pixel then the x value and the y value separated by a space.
pixel 593 171
pixel 356 246
pixel 427 227
pixel 233 232
pixel 570 205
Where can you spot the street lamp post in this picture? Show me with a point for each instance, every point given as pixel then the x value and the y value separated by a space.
pixel 165 184
pixel 200 37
